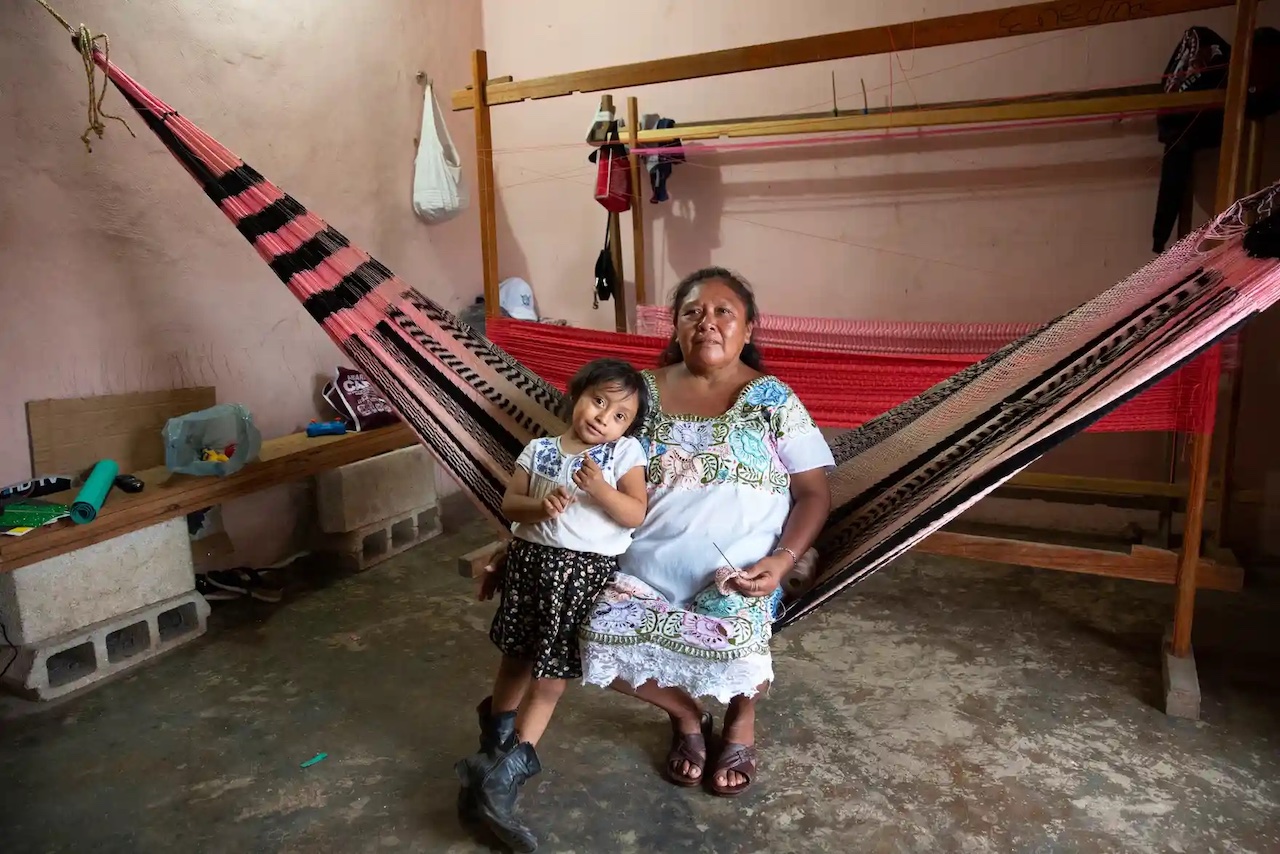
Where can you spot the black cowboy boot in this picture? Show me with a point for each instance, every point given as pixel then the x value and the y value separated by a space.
pixel 499 790
pixel 495 731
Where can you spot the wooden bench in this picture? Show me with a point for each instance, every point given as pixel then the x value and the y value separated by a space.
pixel 168 496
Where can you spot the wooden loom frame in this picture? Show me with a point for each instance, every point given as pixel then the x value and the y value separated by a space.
pixel 1186 569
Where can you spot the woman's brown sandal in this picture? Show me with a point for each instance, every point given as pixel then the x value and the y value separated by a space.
pixel 691 749
pixel 737 758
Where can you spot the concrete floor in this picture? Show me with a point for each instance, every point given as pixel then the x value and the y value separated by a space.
pixel 944 706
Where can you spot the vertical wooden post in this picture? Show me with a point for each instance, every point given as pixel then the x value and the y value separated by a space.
pixel 615 251
pixel 1252 183
pixel 637 200
pixel 1202 444
pixel 485 184
pixel 1174 439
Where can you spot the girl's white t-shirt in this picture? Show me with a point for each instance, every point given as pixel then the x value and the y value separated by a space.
pixel 584 526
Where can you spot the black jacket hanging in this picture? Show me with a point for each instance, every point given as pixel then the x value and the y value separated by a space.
pixel 659 165
pixel 1198 64
pixel 606 286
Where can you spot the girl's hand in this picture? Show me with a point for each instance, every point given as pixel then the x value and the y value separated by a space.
pixel 494 570
pixel 589 478
pixel 557 502
pixel 763 577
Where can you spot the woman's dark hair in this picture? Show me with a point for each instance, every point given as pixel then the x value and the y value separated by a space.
pixel 611 374
pixel 750 355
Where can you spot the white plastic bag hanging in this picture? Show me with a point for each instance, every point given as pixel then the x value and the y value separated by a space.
pixel 438 191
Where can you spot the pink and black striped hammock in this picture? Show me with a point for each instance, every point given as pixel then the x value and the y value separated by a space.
pixel 900 476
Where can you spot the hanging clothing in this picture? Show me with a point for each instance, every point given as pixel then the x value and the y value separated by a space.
pixel 1198 64
pixel 1201 63
pixel 659 165
pixel 608 283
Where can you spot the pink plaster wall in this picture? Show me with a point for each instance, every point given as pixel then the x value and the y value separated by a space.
pixel 118 275
pixel 1000 226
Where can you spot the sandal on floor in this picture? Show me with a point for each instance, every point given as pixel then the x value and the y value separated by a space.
pixel 734 757
pixel 691 749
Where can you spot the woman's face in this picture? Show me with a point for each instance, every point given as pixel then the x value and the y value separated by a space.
pixel 711 326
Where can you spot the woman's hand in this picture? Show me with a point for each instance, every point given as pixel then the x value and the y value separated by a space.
pixel 763 577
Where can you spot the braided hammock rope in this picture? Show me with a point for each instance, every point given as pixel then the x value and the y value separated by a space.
pixel 900 476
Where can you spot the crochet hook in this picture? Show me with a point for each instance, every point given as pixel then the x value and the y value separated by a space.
pixel 728 562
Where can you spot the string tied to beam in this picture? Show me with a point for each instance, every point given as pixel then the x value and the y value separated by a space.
pixel 86 43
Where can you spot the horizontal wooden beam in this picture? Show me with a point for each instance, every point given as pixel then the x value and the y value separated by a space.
pixel 168 496
pixel 492 81
pixel 913 35
pixel 932 115
pixel 1139 563
pixel 1098 485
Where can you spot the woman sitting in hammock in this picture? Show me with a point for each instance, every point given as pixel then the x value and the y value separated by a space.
pixel 737 493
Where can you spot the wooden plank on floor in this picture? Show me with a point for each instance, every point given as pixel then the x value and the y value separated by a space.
pixel 69 435
pixel 167 496
pixel 472 564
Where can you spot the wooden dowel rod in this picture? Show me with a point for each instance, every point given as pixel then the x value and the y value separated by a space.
pixel 1064 95
pixel 637 201
pixel 913 35
pixel 485 185
pixel 1202 444
pixel 943 114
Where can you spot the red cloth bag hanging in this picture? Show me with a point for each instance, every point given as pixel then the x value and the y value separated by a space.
pixel 613 174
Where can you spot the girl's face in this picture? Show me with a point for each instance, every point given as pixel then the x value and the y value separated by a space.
pixel 604 413
pixel 712 326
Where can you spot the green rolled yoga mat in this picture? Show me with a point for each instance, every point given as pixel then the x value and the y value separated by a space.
pixel 96 486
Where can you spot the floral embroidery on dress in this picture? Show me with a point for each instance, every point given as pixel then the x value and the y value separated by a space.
pixel 792 419
pixel 740 446
pixel 602 454
pixel 693 437
pixel 676 468
pixel 750 450
pixel 546 458
pixel 768 393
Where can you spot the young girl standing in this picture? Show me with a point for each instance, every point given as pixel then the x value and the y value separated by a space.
pixel 574 500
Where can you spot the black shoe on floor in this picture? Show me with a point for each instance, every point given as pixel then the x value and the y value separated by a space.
pixel 246 582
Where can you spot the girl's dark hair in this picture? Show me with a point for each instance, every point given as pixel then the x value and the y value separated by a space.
pixel 750 355
pixel 611 373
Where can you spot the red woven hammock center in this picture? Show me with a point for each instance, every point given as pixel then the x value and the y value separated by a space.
pixel 849 389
